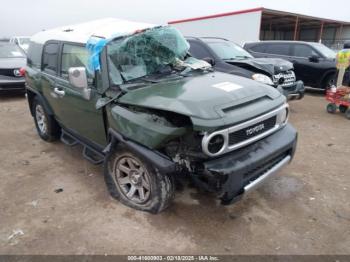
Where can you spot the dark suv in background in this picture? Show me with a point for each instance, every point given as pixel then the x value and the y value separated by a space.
pixel 314 63
pixel 226 56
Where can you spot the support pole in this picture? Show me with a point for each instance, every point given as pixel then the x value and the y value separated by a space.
pixel 321 32
pixel 296 28
pixel 338 39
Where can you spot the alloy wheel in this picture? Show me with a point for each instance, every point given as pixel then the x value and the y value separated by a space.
pixel 41 119
pixel 132 178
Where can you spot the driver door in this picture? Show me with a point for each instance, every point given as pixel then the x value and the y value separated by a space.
pixel 79 115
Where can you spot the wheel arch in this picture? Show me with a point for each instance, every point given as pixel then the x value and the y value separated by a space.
pixel 163 163
pixel 33 94
pixel 325 75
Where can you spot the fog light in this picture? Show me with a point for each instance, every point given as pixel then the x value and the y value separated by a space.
pixel 216 144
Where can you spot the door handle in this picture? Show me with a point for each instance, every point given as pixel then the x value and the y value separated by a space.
pixel 59 91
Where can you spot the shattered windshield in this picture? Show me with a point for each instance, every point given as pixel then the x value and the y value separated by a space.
pixel 145 53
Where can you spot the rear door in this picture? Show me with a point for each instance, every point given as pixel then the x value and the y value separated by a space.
pixel 49 70
pixel 77 114
pixel 279 50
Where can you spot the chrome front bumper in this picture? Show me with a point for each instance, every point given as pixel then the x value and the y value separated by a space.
pixel 268 174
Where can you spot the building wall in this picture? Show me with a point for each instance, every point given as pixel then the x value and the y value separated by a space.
pixel 309 35
pixel 239 28
pixel 346 33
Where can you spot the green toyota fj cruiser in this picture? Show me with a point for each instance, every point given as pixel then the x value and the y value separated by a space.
pixel 131 94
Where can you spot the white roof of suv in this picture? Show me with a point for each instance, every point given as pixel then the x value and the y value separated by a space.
pixel 80 33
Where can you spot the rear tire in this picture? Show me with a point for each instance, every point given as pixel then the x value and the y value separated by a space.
pixel 331 108
pixel 45 124
pixel 136 183
pixel 329 81
pixel 343 108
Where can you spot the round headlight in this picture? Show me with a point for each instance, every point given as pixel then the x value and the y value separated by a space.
pixel 216 143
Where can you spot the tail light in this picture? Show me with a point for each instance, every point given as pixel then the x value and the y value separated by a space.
pixel 22 71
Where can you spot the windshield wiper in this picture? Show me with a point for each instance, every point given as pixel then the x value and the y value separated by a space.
pixel 139 80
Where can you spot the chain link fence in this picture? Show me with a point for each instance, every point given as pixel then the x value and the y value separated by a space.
pixel 335 44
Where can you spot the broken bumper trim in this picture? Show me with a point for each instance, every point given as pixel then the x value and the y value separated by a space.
pixel 273 171
pixel 294 92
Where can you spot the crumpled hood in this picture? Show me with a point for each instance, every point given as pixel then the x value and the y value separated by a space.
pixel 17 62
pixel 211 96
pixel 271 66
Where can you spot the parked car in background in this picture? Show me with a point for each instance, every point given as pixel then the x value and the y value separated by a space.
pixel 21 41
pixel 140 104
pixel 12 63
pixel 226 56
pixel 314 63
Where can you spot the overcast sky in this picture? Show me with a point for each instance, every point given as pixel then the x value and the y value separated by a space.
pixel 25 17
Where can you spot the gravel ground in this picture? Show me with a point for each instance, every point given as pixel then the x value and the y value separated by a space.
pixel 55 202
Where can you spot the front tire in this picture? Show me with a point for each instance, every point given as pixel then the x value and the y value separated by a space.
pixel 45 124
pixel 331 108
pixel 136 183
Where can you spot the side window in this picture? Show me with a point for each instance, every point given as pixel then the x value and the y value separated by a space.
pixel 198 51
pixel 34 54
pixel 50 55
pixel 258 48
pixel 303 51
pixel 278 49
pixel 73 56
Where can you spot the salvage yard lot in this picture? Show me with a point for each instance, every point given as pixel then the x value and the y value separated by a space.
pixel 60 203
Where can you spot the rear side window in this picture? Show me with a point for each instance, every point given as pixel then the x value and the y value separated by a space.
pixel 198 51
pixel 50 55
pixel 73 56
pixel 278 49
pixel 303 51
pixel 258 48
pixel 34 54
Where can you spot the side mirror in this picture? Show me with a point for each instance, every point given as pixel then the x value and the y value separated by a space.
pixel 78 78
pixel 314 59
pixel 209 60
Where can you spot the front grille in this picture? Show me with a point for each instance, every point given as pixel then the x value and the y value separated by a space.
pixel 284 79
pixel 252 131
pixel 243 134
pixel 262 168
pixel 8 72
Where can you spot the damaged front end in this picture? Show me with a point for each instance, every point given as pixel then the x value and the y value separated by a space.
pixel 230 173
pixel 280 73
